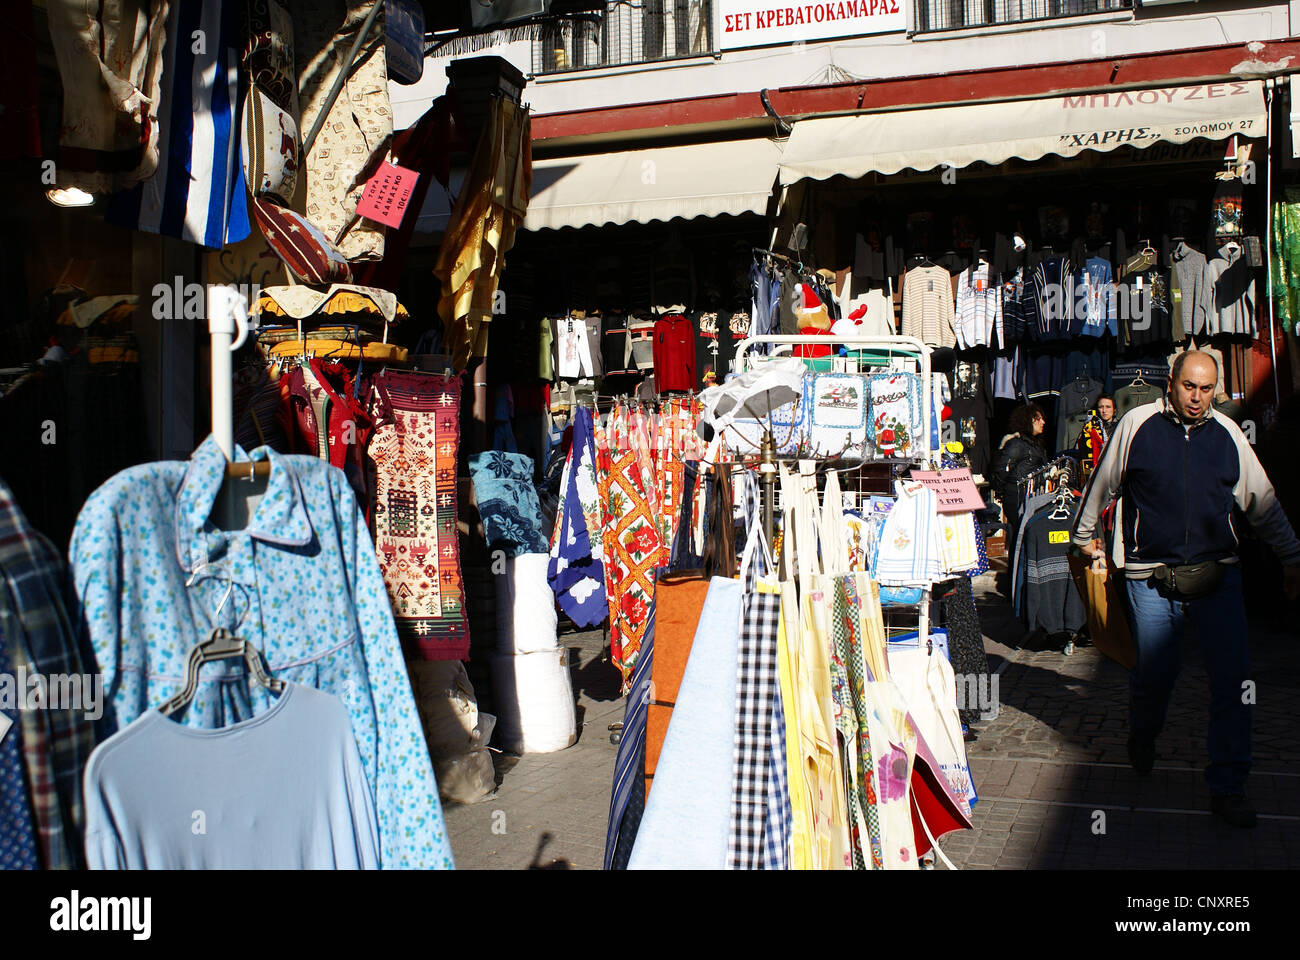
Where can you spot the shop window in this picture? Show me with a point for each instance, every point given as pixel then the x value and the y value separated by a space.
pixel 935 15
pixel 629 31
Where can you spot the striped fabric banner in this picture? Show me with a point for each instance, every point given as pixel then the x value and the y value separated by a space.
pixel 197 193
pixel 629 763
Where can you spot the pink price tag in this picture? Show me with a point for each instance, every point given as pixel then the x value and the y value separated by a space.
pixel 955 489
pixel 388 194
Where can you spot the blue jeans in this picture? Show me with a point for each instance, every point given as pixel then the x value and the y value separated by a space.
pixel 1158 624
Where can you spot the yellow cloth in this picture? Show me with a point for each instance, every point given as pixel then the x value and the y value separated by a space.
pixel 112 355
pixel 800 805
pixel 824 768
pixel 489 209
pixel 957 537
pixel 338 350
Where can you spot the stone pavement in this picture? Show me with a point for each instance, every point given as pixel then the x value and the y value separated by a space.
pixel 562 797
pixel 1053 775
pixel 1051 769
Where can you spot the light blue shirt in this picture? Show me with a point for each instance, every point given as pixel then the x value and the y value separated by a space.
pixel 283 790
pixel 308 593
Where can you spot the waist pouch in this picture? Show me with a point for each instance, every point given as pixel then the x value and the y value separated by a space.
pixel 1192 581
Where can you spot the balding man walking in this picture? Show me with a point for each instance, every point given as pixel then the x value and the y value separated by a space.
pixel 1183 472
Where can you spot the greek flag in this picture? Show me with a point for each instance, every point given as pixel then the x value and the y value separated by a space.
pixel 197 193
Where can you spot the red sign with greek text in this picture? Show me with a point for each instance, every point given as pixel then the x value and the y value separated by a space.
pixel 388 194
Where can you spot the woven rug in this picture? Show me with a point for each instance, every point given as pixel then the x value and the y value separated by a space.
pixel 414 450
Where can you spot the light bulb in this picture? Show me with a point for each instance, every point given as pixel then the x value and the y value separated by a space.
pixel 69 197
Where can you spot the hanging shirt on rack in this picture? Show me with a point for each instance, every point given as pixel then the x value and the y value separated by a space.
pixel 1051 601
pixel 615 348
pixel 1234 293
pixel 760 289
pixel 715 346
pixel 870 314
pixel 1054 288
pixel 1100 309
pixel 979 308
pixel 1078 398
pixel 928 309
pixel 320 616
pixel 1007 374
pixel 1020 309
pixel 1191 290
pixel 971 407
pixel 1146 308
pixel 674 354
pixel 909 551
pixel 1135 395
pixel 575 348
pixel 284 790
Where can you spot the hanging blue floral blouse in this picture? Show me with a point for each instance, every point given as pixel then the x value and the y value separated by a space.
pixel 303 583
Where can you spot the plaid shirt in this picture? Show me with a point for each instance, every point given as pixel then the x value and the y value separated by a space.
pixel 41 639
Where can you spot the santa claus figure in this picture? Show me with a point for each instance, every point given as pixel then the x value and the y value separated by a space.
pixel 813 319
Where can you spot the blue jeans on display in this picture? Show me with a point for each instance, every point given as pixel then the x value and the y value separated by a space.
pixel 1158 626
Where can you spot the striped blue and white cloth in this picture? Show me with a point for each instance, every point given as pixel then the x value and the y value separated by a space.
pixel 628 797
pixel 197 193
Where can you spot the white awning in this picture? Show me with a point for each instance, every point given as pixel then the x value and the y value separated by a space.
pixel 700 180
pixel 926 138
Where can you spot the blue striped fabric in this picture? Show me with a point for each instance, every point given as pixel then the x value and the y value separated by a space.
pixel 197 193
pixel 631 748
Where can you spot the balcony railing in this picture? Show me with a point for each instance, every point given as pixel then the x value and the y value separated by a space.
pixel 629 31
pixel 932 16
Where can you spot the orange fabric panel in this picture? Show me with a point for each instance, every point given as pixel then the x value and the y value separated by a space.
pixel 678 603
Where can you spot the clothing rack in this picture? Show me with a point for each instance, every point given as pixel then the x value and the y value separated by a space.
pixel 905 347
pixel 1044 473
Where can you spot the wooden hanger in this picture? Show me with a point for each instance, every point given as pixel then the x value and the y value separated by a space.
pixel 249 469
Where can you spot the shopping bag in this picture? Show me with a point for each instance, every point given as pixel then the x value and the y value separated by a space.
pixel 1104 605
pixel 926 681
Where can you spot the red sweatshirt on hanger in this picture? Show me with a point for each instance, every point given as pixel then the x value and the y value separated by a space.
pixel 674 353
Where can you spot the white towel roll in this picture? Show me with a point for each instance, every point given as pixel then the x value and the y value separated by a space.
pixel 534 701
pixel 526 618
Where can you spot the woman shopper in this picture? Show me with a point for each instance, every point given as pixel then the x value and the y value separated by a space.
pixel 1020 454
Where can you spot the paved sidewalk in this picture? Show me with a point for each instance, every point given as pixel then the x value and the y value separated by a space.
pixel 563 796
pixel 1053 775
pixel 1051 770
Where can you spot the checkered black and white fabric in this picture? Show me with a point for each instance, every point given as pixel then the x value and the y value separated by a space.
pixel 757 690
pixel 778 825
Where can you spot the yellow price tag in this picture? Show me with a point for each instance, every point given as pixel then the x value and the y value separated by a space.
pixel 1058 536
